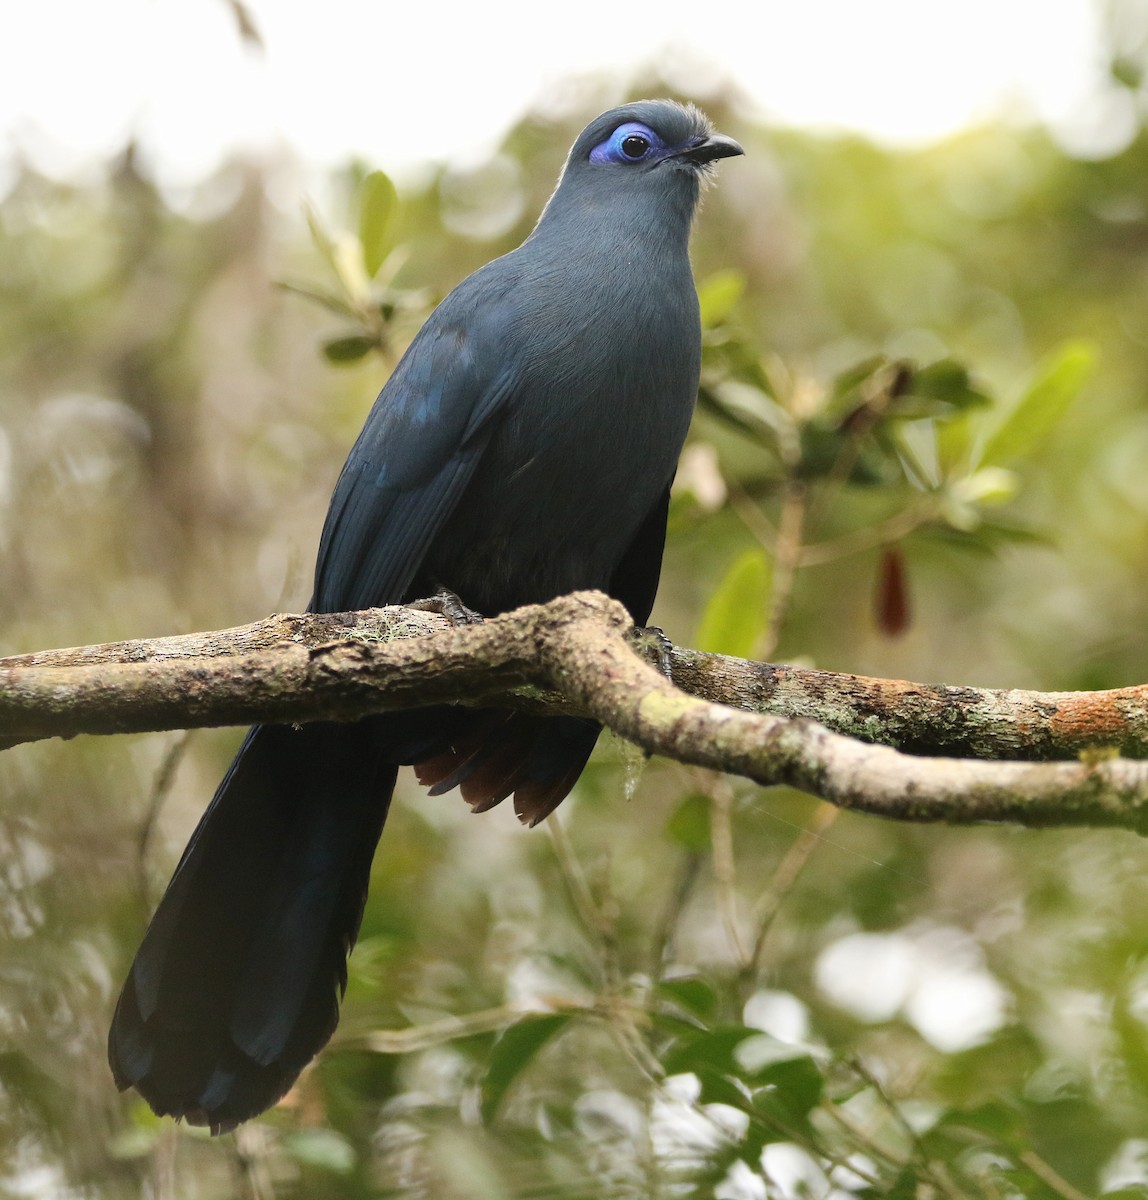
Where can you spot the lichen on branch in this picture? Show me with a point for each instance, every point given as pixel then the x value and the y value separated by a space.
pixel 813 730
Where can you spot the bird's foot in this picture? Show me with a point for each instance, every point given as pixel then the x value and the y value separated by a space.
pixel 445 602
pixel 646 636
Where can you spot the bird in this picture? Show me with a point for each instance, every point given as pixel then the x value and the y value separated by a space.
pixel 522 448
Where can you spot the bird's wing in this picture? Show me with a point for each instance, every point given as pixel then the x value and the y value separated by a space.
pixel 415 455
pixel 635 579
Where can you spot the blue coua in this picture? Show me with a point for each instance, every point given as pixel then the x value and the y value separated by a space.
pixel 523 448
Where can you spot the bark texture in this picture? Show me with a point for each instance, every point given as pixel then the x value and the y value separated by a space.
pixel 904 750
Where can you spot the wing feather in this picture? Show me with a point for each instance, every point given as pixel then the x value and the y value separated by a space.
pixel 415 455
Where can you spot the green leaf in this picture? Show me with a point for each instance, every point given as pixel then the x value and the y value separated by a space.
pixel 847 383
pixel 738 612
pixel 717 1088
pixel 785 1119
pixel 378 201
pixel 947 380
pixel 512 1053
pixel 1041 408
pixel 324 243
pixel 997 1119
pixel 821 448
pixel 322 1148
pixel 691 993
pixel 134 1142
pixel 955 439
pixel 904 1188
pixel 348 349
pixel 329 300
pixel 989 486
pixel 677 1027
pixel 753 1142
pixel 712 1051
pixel 747 408
pixel 1127 72
pixel 797 1080
pixel 951 1134
pixel 718 294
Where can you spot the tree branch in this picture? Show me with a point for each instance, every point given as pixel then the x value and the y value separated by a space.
pixel 575 655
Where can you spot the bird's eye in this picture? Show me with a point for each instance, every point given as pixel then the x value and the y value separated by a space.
pixel 632 142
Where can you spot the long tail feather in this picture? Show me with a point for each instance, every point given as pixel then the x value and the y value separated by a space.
pixel 237 984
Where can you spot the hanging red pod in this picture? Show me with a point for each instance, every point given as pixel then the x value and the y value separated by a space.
pixel 892 609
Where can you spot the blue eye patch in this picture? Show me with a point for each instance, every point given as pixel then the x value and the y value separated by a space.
pixel 632 142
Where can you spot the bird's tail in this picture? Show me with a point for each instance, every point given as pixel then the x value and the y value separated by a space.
pixel 237 984
pixel 496 753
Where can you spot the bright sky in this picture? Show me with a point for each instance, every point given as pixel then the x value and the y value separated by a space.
pixel 402 81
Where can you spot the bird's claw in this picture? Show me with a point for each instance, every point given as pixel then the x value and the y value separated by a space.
pixel 645 635
pixel 446 603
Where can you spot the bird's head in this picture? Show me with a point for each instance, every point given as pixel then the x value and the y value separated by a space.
pixel 650 136
pixel 649 151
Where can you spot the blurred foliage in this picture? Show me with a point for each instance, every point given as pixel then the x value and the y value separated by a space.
pixel 919 452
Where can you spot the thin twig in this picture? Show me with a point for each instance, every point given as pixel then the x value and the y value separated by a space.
pixel 725 864
pixel 1050 1176
pixel 160 790
pixel 863 1138
pixel 251 1146
pixel 163 1163
pixel 935 1171
pixel 449 1029
pixel 893 529
pixel 785 877
pixel 600 920
pixel 662 939
pixel 574 878
pixel 759 525
pixel 877 393
pixel 787 560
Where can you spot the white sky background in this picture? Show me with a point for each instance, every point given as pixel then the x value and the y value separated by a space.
pixel 404 81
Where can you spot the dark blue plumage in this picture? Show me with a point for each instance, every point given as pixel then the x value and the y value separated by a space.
pixel 523 448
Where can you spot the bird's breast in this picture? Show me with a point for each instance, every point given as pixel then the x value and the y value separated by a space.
pixel 585 446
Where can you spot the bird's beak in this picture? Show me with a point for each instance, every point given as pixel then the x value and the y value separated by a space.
pixel 717 145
